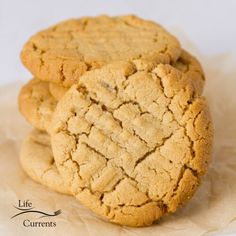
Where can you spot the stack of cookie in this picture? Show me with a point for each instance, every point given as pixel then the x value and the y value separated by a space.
pixel 120 122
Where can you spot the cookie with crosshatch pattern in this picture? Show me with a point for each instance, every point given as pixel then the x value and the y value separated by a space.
pixel 132 144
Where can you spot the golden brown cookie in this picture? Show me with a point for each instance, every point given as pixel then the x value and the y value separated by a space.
pixel 37 160
pixel 37 104
pixel 62 53
pixel 132 145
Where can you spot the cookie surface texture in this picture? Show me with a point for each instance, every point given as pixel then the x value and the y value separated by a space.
pixel 191 67
pixel 38 99
pixel 37 104
pixel 37 161
pixel 62 53
pixel 132 145
pixel 57 90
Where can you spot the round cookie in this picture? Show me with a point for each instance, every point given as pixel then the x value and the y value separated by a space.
pixel 57 90
pixel 62 53
pixel 37 104
pixel 37 161
pixel 132 145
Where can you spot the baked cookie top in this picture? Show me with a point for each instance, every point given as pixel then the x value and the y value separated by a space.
pixel 62 53
pixel 191 67
pixel 37 104
pixel 132 145
pixel 37 161
pixel 57 90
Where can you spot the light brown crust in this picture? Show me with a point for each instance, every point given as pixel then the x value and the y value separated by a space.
pixel 37 161
pixel 57 90
pixel 62 53
pixel 37 104
pixel 132 145
pixel 190 66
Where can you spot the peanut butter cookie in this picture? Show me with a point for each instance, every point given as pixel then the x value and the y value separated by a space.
pixel 37 160
pixel 132 145
pixel 37 104
pixel 62 53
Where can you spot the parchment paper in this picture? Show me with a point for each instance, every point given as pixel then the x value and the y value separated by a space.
pixel 212 211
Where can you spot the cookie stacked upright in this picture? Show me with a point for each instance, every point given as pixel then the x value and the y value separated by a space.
pixel 121 103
